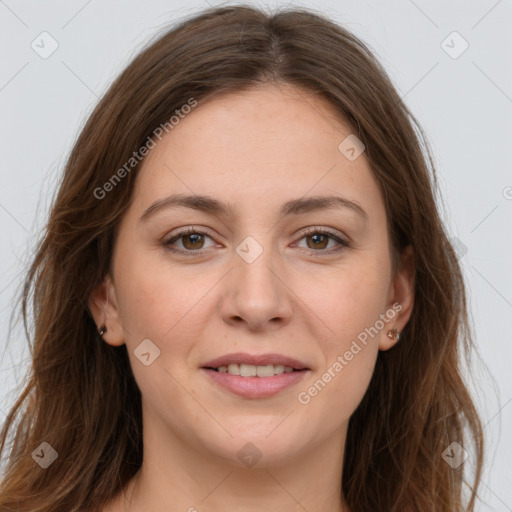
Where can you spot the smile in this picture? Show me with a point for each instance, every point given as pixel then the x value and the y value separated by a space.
pixel 249 384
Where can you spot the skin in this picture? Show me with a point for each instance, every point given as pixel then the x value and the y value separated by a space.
pixel 256 150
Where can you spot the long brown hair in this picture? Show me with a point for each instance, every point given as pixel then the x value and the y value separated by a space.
pixel 81 397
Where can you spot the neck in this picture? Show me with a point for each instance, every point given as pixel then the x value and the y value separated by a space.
pixel 176 476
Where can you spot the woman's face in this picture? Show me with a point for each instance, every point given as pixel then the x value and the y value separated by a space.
pixel 252 280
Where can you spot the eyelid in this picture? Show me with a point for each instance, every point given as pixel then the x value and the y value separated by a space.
pixel 196 229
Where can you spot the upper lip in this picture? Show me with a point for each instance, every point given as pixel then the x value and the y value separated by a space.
pixel 256 359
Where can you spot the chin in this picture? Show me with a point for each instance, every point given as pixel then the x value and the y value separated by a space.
pixel 255 448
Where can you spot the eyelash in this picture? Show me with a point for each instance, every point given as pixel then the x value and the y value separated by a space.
pixel 310 231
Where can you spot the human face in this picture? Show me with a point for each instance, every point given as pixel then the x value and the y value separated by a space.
pixel 253 281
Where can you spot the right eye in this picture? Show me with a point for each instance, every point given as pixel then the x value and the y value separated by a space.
pixel 192 242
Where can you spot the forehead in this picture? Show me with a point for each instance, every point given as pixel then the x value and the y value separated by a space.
pixel 257 146
pixel 271 121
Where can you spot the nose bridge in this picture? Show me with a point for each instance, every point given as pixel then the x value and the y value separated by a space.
pixel 256 292
pixel 256 265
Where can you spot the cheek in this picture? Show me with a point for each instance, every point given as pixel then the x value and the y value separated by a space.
pixel 337 392
pixel 351 309
pixel 350 299
pixel 153 298
pixel 159 303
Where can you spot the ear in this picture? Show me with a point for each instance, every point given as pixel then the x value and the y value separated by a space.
pixel 103 306
pixel 401 297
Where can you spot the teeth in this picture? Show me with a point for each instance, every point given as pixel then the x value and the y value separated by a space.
pixel 265 371
pixel 278 369
pixel 250 370
pixel 234 369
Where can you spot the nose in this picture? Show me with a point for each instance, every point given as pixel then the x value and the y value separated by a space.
pixel 256 293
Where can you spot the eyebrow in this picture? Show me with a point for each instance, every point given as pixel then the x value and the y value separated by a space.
pixel 213 206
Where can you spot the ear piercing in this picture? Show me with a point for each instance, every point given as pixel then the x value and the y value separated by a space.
pixel 393 334
pixel 102 330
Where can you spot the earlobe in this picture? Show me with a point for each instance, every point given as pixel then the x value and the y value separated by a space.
pixel 102 304
pixel 401 299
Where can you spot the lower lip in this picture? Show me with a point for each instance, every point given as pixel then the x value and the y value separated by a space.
pixel 256 387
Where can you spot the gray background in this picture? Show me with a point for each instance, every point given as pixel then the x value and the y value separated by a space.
pixel 464 104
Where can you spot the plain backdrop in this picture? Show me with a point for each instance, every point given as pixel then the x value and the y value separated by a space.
pixel 450 60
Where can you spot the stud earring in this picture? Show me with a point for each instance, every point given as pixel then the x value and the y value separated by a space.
pixel 394 335
pixel 102 330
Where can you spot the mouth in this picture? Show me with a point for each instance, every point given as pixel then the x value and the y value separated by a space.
pixel 255 365
pixel 255 376
pixel 251 370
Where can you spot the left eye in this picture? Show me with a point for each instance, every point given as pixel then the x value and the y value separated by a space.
pixel 193 240
pixel 320 239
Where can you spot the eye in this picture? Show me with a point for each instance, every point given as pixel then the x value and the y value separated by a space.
pixel 193 241
pixel 320 240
